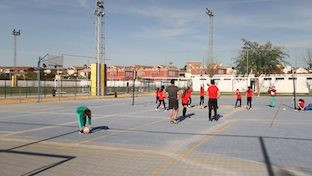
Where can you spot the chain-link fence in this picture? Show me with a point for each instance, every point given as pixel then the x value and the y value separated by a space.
pixel 64 87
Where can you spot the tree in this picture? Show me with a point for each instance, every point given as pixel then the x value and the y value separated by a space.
pixel 308 59
pixel 262 59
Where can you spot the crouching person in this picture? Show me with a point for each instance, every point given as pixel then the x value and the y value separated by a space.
pixel 300 105
pixel 84 117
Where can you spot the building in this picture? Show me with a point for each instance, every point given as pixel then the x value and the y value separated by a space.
pixel 195 68
pixel 161 72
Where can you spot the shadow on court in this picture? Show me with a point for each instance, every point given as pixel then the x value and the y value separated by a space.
pixel 64 158
pixel 181 118
pixel 99 128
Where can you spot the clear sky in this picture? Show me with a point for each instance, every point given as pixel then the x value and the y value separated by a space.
pixel 152 32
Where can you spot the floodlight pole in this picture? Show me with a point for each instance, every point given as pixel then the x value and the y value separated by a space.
pixel 99 12
pixel 15 33
pixel 38 75
pixel 133 87
pixel 210 44
pixel 247 58
pixel 294 86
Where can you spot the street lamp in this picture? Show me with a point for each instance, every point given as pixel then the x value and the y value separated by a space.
pixel 15 33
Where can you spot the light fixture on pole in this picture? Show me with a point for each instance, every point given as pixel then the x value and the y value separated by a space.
pixel 210 44
pixel 15 33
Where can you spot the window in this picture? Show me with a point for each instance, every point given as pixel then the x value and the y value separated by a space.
pixel 277 79
pixel 267 79
pixel 227 79
pixel 309 78
pixel 292 78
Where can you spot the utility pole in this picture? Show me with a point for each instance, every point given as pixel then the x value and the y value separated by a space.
pixel 210 44
pixel 99 13
pixel 15 33
pixel 294 86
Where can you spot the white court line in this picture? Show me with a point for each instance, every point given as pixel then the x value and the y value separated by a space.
pixel 67 123
pixel 13 116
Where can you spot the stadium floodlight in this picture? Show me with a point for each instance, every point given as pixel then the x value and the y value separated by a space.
pixel 15 33
pixel 99 13
pixel 210 44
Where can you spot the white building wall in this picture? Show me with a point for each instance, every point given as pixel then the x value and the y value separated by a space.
pixel 283 83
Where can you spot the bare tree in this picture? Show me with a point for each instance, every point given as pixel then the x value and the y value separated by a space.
pixel 308 59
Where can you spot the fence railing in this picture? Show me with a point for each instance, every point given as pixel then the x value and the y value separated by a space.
pixel 29 89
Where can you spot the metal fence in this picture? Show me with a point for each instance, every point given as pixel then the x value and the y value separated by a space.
pixel 29 88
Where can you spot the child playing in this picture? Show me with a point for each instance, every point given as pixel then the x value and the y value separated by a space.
pixel 272 92
pixel 249 97
pixel 189 94
pixel 238 98
pixel 201 94
pixel 185 101
pixel 156 94
pixel 161 98
pixel 83 116
pixel 300 105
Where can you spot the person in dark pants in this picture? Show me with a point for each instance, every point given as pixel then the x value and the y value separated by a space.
pixel 185 100
pixel 172 92
pixel 161 98
pixel 249 97
pixel 202 94
pixel 238 98
pixel 189 94
pixel 156 94
pixel 213 95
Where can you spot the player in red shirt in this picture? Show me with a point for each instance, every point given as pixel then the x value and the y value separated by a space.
pixel 189 94
pixel 185 101
pixel 238 98
pixel 156 94
pixel 161 98
pixel 213 95
pixel 249 97
pixel 202 94
pixel 300 105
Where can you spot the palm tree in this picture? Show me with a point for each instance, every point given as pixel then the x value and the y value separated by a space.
pixel 262 59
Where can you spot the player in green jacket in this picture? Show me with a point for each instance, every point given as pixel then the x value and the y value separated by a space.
pixel 83 116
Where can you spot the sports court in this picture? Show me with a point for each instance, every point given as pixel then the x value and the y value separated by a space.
pixel 42 139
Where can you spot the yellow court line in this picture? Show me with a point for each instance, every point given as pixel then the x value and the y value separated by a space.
pixel 190 150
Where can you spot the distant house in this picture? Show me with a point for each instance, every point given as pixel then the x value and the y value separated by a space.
pixel 161 72
pixel 19 71
pixel 77 72
pixel 301 70
pixel 195 68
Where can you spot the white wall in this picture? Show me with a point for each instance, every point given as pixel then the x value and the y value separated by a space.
pixel 229 83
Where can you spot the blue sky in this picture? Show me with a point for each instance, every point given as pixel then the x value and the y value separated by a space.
pixel 152 32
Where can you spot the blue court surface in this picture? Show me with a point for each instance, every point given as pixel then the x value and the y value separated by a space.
pixel 43 139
